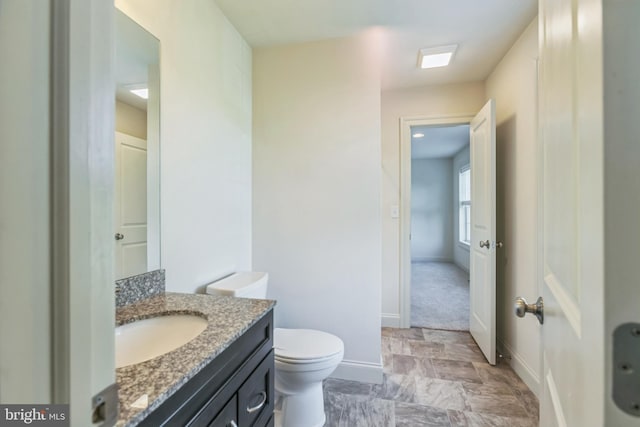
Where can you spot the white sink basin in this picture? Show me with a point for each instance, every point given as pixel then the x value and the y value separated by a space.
pixel 145 339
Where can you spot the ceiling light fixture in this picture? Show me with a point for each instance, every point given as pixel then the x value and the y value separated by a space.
pixel 418 135
pixel 436 56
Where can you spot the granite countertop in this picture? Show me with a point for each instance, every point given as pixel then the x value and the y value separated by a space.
pixel 159 378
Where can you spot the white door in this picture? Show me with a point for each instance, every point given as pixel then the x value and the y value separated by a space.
pixel 482 319
pixel 130 205
pixel 572 249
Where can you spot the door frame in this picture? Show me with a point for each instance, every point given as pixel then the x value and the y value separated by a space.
pixel 404 282
pixel 82 283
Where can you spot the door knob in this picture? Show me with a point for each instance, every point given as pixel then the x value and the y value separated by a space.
pixel 522 308
pixel 485 244
pixel 119 236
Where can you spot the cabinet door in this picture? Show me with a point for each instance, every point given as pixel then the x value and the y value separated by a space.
pixel 256 395
pixel 228 416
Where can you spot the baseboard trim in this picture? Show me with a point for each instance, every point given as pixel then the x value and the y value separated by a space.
pixel 520 366
pixel 353 370
pixel 390 320
pixel 462 267
pixel 431 259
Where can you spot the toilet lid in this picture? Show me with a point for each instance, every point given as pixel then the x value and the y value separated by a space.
pixel 305 344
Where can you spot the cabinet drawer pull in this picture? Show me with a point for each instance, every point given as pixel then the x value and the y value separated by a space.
pixel 232 423
pixel 259 405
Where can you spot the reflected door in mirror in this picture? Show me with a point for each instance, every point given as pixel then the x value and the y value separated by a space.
pixel 130 205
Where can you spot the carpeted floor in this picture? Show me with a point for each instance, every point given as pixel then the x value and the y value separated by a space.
pixel 439 296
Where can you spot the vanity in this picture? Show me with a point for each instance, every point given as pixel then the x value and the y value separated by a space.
pixel 222 378
pixel 221 375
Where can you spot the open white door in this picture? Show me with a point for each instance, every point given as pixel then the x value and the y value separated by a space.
pixel 571 134
pixel 482 319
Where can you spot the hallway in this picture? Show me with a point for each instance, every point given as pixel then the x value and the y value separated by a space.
pixel 432 378
pixel 439 296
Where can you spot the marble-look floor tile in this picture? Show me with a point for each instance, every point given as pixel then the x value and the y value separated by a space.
pixel 410 333
pixel 462 352
pixel 440 394
pixel 495 389
pixel 412 366
pixel 392 345
pixel 504 405
pixel 432 378
pixel 500 374
pixel 529 401
pixel 333 407
pixel 472 419
pixel 412 415
pixel 347 387
pixel 359 411
pixel 387 363
pixel 399 388
pixel 421 348
pixel 451 337
pixel 455 370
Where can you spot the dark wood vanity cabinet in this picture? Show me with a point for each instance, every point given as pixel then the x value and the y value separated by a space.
pixel 234 389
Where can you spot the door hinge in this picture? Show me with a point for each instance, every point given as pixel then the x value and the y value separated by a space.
pixel 104 407
pixel 626 368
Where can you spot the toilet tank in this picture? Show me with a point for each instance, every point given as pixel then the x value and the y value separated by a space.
pixel 244 284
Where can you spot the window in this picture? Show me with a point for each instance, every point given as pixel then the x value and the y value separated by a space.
pixel 464 196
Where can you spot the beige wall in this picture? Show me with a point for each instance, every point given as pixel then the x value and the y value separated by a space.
pixel 513 84
pixel 316 200
pixel 131 120
pixel 205 123
pixel 431 101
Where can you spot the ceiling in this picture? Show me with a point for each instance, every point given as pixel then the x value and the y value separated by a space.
pixel 438 141
pixel 484 30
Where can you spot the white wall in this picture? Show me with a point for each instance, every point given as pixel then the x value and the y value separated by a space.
pixel 431 210
pixel 622 180
pixel 460 250
pixel 316 200
pixel 430 101
pixel 205 74
pixel 513 84
pixel 25 217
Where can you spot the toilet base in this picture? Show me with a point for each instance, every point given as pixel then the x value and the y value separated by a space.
pixel 302 410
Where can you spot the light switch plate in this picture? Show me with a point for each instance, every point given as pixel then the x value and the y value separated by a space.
pixel 395 211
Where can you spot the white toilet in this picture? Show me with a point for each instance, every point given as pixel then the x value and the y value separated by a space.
pixel 303 357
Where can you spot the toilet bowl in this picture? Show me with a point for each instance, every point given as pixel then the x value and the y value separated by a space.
pixel 303 357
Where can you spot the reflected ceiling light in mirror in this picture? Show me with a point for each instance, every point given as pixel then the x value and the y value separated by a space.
pixel 139 89
pixel 418 135
pixel 142 93
pixel 434 57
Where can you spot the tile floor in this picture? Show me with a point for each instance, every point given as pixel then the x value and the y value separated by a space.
pixel 432 378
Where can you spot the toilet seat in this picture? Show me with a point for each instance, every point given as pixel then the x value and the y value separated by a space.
pixel 306 346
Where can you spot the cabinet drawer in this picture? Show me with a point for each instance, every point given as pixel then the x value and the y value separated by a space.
pixel 256 395
pixel 228 417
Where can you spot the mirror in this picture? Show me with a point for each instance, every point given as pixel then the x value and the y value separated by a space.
pixel 137 151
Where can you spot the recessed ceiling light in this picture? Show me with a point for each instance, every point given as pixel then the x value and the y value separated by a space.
pixel 142 92
pixel 418 135
pixel 436 56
